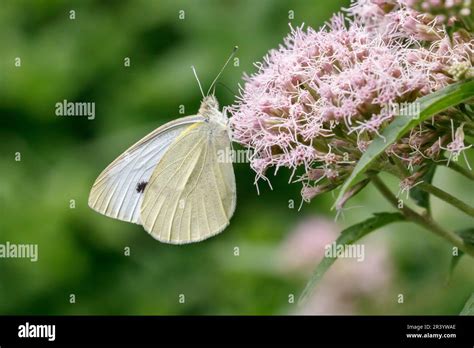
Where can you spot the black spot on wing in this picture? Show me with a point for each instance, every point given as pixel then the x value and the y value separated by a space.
pixel 141 186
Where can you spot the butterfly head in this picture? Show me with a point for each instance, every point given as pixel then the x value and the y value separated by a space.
pixel 208 104
pixel 210 108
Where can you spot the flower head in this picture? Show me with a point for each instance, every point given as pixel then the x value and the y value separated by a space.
pixel 422 18
pixel 318 100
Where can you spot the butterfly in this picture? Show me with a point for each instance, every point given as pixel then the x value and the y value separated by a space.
pixel 174 182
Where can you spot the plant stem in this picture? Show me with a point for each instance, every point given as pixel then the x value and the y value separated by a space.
pixel 402 172
pixel 461 170
pixel 443 195
pixel 423 221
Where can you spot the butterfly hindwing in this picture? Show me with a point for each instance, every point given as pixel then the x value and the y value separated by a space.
pixel 191 194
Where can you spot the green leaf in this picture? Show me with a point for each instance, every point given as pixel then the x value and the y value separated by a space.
pixel 349 236
pixel 430 105
pixel 468 307
pixel 422 198
pixel 454 262
pixel 468 236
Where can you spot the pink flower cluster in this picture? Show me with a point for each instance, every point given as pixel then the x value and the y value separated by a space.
pixel 444 11
pixel 419 19
pixel 319 99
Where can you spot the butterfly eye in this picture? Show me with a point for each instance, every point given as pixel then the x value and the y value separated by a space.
pixel 141 186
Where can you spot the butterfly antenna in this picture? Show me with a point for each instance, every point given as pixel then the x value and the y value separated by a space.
pixel 197 79
pixel 225 64
pixel 227 88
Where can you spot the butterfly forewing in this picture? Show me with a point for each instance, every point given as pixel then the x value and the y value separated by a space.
pixel 119 189
pixel 191 194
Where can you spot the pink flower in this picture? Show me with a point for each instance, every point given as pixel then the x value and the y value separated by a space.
pixel 318 100
pixel 444 11
pixel 306 245
pixel 421 18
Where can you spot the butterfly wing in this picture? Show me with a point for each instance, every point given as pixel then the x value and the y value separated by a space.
pixel 191 195
pixel 115 192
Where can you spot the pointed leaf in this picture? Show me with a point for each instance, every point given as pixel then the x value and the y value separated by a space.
pixel 349 236
pixel 468 236
pixel 468 307
pixel 422 198
pixel 430 105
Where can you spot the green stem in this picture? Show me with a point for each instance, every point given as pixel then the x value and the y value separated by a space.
pixel 461 170
pixel 443 195
pixel 423 221
pixel 402 172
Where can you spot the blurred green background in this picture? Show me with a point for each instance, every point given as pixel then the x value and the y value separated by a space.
pixel 82 252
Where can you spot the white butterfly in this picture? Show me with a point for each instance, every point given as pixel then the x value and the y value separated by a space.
pixel 173 181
